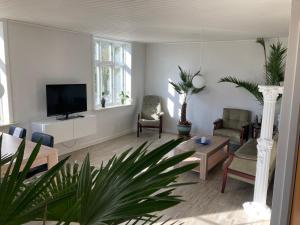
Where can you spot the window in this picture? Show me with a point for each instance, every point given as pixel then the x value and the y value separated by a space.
pixel 112 72
pixel 5 97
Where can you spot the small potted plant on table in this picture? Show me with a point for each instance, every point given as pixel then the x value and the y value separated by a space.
pixel 190 84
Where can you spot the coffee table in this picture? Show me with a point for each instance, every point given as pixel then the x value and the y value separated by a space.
pixel 208 156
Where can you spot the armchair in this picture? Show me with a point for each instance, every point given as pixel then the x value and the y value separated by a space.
pixel 151 115
pixel 234 125
pixel 241 165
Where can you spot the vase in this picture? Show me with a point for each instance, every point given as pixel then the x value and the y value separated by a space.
pixel 103 102
pixel 184 130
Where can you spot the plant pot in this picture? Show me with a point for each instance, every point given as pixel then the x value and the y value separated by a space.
pixel 184 130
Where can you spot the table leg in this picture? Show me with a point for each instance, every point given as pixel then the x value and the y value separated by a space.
pixel 203 168
pixel 52 158
pixel 226 149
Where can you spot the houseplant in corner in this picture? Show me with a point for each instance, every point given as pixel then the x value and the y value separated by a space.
pixel 274 70
pixel 190 84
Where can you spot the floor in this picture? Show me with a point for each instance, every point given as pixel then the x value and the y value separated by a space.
pixel 204 204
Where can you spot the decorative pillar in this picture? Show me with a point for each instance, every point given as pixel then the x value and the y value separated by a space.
pixel 258 208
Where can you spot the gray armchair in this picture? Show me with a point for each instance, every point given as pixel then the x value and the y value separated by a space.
pixel 151 115
pixel 234 125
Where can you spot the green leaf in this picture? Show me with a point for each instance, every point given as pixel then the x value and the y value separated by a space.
pixel 249 86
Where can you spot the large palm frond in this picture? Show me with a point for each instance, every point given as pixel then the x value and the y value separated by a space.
pixel 131 186
pixel 21 202
pixel 185 86
pixel 249 86
pixel 275 65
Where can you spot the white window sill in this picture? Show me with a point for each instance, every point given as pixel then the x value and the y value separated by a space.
pixel 99 108
pixel 5 124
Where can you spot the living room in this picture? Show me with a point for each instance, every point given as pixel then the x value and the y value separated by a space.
pixel 113 55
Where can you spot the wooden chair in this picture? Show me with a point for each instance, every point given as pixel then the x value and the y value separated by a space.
pixel 241 165
pixel 151 115
pixel 235 125
pixel 17 131
pixel 47 140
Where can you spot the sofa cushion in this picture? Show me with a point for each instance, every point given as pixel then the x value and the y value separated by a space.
pixel 149 122
pixel 151 107
pixel 232 134
pixel 236 118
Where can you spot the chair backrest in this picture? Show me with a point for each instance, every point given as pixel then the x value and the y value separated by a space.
pixel 235 118
pixel 151 107
pixel 17 131
pixel 47 139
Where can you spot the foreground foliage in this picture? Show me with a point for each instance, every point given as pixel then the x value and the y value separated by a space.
pixel 129 188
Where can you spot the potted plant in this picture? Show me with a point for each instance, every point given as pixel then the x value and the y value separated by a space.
pixel 123 97
pixel 128 189
pixel 190 84
pixel 274 70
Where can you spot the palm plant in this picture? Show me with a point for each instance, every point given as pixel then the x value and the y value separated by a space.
pixel 274 70
pixel 186 88
pixel 128 189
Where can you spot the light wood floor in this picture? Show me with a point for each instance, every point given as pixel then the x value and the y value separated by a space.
pixel 204 204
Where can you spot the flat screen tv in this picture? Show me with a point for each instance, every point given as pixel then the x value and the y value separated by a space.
pixel 65 99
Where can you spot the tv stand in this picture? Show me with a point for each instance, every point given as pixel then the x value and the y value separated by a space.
pixel 67 117
pixel 67 129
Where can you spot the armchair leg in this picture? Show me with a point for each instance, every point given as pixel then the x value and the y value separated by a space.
pixel 160 126
pixel 224 180
pixel 138 130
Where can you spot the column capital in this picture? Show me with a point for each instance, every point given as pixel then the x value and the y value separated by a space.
pixel 270 93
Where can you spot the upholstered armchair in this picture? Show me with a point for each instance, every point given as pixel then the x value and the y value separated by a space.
pixel 241 165
pixel 151 115
pixel 234 125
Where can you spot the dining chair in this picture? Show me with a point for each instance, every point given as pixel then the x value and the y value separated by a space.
pixel 18 132
pixel 47 140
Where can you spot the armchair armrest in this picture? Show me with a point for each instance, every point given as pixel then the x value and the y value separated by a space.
pixel 218 124
pixel 244 132
pixel 161 113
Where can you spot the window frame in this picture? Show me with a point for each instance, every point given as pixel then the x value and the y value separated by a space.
pixel 99 64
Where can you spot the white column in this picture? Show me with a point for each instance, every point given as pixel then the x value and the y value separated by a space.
pixel 258 207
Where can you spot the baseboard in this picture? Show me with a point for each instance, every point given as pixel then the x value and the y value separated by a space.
pixel 66 150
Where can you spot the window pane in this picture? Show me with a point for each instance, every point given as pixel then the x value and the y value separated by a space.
pixel 97 86
pixel 118 84
pixel 107 83
pixel 97 52
pixel 106 51
pixel 118 53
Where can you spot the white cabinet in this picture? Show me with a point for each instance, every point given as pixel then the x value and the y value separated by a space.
pixel 84 126
pixel 67 130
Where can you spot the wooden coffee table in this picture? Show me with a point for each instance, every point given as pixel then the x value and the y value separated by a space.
pixel 208 156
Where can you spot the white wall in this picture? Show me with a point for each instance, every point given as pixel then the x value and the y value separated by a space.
pixel 289 129
pixel 41 55
pixel 243 59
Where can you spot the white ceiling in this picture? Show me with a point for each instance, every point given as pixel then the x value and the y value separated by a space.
pixel 158 20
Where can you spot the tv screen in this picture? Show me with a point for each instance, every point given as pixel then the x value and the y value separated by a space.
pixel 64 99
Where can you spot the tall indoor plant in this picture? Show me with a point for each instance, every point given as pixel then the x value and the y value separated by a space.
pixel 190 84
pixel 274 70
pixel 127 189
